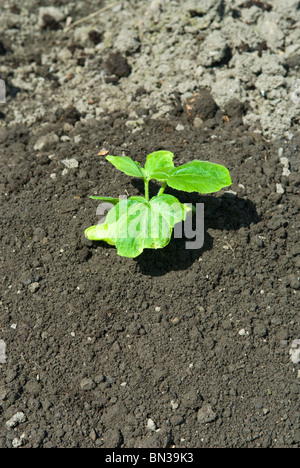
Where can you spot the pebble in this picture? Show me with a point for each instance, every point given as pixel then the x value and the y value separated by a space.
pixel 46 142
pixel 93 435
pixel 206 414
pixel 70 163
pixel 175 320
pixel 295 351
pixel 198 122
pixel 18 441
pixel 52 11
pixel 174 405
pixel 279 188
pixel 77 139
pixel 17 419
pixel 65 138
pixel 33 287
pixel 285 162
pixel 2 352
pixel 151 425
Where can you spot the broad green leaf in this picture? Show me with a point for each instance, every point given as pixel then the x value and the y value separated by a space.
pixel 111 200
pixel 162 174
pixel 127 165
pixel 99 232
pixel 199 176
pixel 134 225
pixel 158 160
pixel 138 198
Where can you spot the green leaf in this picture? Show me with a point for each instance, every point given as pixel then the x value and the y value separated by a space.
pixel 111 200
pixel 135 224
pixel 127 165
pixel 158 160
pixel 199 176
pixel 162 174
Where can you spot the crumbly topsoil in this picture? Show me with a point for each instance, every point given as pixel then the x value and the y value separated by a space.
pixel 177 348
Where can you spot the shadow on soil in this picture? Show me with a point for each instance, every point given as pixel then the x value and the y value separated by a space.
pixel 220 213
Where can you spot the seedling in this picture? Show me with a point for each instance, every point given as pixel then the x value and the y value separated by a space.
pixel 137 223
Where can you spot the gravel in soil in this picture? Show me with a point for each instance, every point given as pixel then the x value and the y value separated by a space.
pixel 184 348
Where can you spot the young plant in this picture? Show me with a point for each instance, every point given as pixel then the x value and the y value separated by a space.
pixel 137 223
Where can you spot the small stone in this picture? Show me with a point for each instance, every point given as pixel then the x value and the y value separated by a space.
pixel 151 425
pixel 3 393
pixel 33 287
pixel 175 320
pixel 286 165
pixel 70 163
pixel 77 139
pixel 198 122
pixel 2 352
pixel 206 414
pixel 229 194
pixel 295 351
pixel 65 138
pixel 279 188
pixel 46 142
pixel 177 419
pixel 180 127
pixel 93 435
pixel 174 405
pixel 17 419
pixel 294 282
pixel 295 356
pixel 99 378
pixel 87 384
pixel 45 13
pixel 18 441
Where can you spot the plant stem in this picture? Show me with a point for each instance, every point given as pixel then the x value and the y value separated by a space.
pixel 147 190
pixel 162 189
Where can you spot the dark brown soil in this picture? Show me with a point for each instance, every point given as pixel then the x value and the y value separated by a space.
pixel 176 348
pixel 196 340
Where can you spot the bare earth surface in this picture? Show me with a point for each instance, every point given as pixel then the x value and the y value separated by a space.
pixel 177 348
